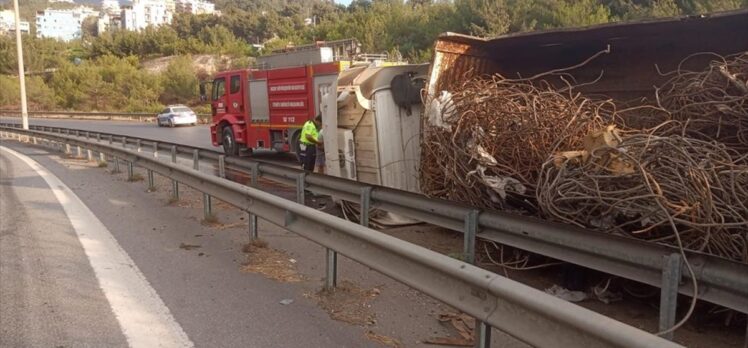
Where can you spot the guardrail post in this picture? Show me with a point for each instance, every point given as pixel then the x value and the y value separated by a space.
pixel 33 140
pixel 155 149
pixel 222 166
pixel 137 145
pixel 124 142
pixel 471 227
pixel 98 137
pixel 255 175
pixel 207 207
pixel 671 276
pixel 331 257
pixel 79 152
pixel 111 139
pixel 151 181
pixel 89 155
pixel 174 183
pixel 365 205
pixel 77 133
pixel 67 131
pixel 130 171
pixel 253 227
pixel 102 158
pixel 87 134
pixel 300 188
pixel 482 330
pixel 482 335
pixel 331 279
pixel 116 166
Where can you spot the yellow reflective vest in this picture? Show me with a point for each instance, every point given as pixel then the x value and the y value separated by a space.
pixel 309 129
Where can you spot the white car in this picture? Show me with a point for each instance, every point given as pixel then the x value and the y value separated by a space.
pixel 176 115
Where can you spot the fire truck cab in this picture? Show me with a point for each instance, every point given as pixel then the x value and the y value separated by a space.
pixel 265 107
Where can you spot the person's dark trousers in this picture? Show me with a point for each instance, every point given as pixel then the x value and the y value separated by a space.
pixel 310 157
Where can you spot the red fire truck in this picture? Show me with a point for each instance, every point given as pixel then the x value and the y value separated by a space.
pixel 265 108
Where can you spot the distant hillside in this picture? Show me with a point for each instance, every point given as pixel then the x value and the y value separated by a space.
pixel 204 64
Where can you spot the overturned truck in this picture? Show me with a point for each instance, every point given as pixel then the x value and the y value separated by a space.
pixel 638 129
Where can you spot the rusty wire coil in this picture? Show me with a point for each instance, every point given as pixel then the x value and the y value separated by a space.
pixel 676 190
pixel 490 147
pixel 713 102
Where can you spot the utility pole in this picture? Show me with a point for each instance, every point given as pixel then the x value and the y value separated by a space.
pixel 21 71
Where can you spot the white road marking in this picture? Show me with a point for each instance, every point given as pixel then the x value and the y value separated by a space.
pixel 143 317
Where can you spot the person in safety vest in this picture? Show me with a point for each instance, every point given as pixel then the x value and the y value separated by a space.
pixel 309 140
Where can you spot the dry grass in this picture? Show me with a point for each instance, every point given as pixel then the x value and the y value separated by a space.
pixel 268 262
pixel 254 244
pixel 383 340
pixel 210 220
pixel 135 177
pixel 348 303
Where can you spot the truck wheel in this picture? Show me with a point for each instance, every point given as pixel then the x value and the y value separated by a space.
pixel 229 142
pixel 295 144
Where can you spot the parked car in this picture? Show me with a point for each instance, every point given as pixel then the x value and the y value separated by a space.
pixel 176 115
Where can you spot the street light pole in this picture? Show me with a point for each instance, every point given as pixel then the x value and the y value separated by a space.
pixel 21 71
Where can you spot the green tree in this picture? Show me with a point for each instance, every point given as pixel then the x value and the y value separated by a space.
pixel 180 82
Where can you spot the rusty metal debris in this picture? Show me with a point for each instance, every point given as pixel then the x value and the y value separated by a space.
pixel 463 324
pixel 485 143
pixel 672 189
pixel 383 339
pixel 674 171
pixel 713 102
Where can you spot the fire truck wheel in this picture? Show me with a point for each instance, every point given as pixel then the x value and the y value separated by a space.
pixel 295 144
pixel 229 142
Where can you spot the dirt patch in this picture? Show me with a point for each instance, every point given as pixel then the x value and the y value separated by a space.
pixel 383 340
pixel 348 303
pixel 210 221
pixel 463 324
pixel 271 263
pixel 188 246
pixel 224 205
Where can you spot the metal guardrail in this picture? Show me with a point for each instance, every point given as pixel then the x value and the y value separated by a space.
pixel 521 311
pixel 721 281
pixel 139 116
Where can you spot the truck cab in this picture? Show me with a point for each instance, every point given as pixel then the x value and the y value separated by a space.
pixel 265 108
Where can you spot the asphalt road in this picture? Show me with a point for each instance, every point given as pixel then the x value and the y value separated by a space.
pixel 197 136
pixel 119 276
pixel 49 295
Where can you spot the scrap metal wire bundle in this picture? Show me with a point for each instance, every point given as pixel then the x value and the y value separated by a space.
pixel 670 189
pixel 713 102
pixel 485 144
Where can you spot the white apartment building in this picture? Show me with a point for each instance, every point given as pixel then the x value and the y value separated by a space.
pixel 8 23
pixel 144 13
pixel 104 23
pixel 63 25
pixel 110 7
pixel 195 6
